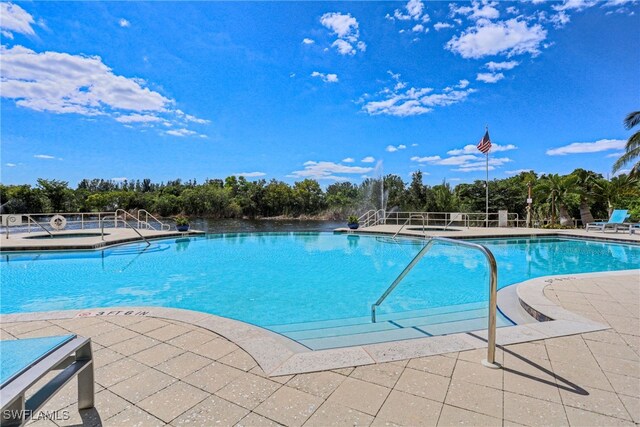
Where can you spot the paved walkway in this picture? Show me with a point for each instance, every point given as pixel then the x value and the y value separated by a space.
pixel 156 372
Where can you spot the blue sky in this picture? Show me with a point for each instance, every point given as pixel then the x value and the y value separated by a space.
pixel 327 90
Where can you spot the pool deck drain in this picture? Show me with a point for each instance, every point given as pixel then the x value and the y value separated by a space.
pixel 155 371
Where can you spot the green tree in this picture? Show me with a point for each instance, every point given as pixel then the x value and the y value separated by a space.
pixel 557 191
pixel 308 197
pixel 616 189
pixel 632 148
pixel 585 188
pixel 57 192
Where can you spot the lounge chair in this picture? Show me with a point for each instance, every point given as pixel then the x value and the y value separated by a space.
pixel 618 217
pixel 26 361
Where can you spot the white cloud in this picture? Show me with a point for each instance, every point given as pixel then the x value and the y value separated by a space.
pixel 463 162
pixel 616 154
pixel 327 78
pixel 490 77
pixel 511 37
pixel 441 25
pixel 413 10
pixel 394 148
pixel 414 145
pixel 307 41
pixel 119 179
pixel 62 83
pixel 473 149
pixel 250 174
pixel 180 132
pixel 418 28
pixel 588 147
pixel 348 160
pixel 15 20
pixel 345 27
pixel 328 171
pixel 498 66
pixel 577 5
pixel 124 23
pixel 44 157
pixel 517 171
pixel 477 11
pixel 425 159
pixel 368 159
pixel 10 165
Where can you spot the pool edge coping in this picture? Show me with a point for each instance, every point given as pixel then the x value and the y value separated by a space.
pixel 278 355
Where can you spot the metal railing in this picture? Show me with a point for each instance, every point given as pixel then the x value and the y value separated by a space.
pixel 115 218
pixel 147 215
pixel 29 221
pixel 493 289
pixel 441 219
pixel 372 217
pixel 424 230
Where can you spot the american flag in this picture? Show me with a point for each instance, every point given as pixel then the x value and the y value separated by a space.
pixel 485 143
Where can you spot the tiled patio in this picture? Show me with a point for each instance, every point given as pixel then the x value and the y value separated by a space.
pixel 151 371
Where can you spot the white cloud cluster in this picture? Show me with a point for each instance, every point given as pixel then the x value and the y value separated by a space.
pixel 511 37
pixel 477 10
pixel 307 40
pixel 588 147
pixel 464 162
pixel 346 28
pixel 517 171
pixel 328 171
pixel 124 23
pixel 15 20
pixel 412 11
pixel 473 149
pixel 442 25
pixel 498 66
pixel 45 157
pixel 348 160
pixel 368 159
pixel 396 101
pixel 490 77
pixel 394 148
pixel 327 78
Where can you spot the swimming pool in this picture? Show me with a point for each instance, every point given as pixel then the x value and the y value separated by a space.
pixel 278 279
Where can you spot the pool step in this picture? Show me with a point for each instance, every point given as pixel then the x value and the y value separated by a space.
pixel 389 327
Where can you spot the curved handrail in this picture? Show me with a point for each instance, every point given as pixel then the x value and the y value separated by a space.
pixel 115 218
pixel 126 214
pixel 148 215
pixel 413 216
pixel 493 288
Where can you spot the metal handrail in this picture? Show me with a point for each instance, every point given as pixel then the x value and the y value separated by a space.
pixel 493 289
pixel 412 216
pixel 115 219
pixel 454 218
pixel 148 215
pixel 29 219
pixel 126 214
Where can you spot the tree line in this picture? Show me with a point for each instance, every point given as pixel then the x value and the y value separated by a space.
pixel 581 195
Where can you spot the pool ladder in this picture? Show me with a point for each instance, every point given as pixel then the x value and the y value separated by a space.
pixel 490 361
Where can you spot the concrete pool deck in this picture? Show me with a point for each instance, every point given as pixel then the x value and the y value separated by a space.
pixel 158 371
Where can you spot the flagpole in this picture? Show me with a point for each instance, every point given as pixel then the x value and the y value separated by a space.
pixel 487 188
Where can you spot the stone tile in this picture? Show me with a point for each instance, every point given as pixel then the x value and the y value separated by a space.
pixel 407 409
pixel 134 345
pixel 156 355
pixel 104 356
pixel 168 332
pixel 320 384
pixel 239 359
pixel 474 372
pixel 452 416
pixel 143 385
pixel 215 349
pixel 529 350
pixel 632 404
pixel 440 365
pixel 172 401
pixel 95 330
pixel 538 386
pixel 423 384
pixel 183 365
pixel 289 406
pixel 148 325
pixel 360 395
pixel 117 371
pixel 533 412
pixel 624 384
pixel 619 366
pixel 384 374
pixel 213 377
pixel 212 411
pixel 608 336
pixel 124 320
pixel 580 417
pixel 485 400
pixel 255 420
pixel 192 338
pixel 248 390
pixel 620 351
pixel 602 402
pixel 107 404
pixel 581 376
pixel 44 332
pixel 479 354
pixel 344 371
pixel 19 328
pixel 134 417
pixel 113 337
pixel 332 414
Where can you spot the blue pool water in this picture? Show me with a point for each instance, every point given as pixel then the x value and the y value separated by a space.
pixel 280 278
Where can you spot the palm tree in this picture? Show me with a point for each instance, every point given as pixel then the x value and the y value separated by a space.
pixel 585 188
pixel 618 187
pixel 632 149
pixel 557 190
